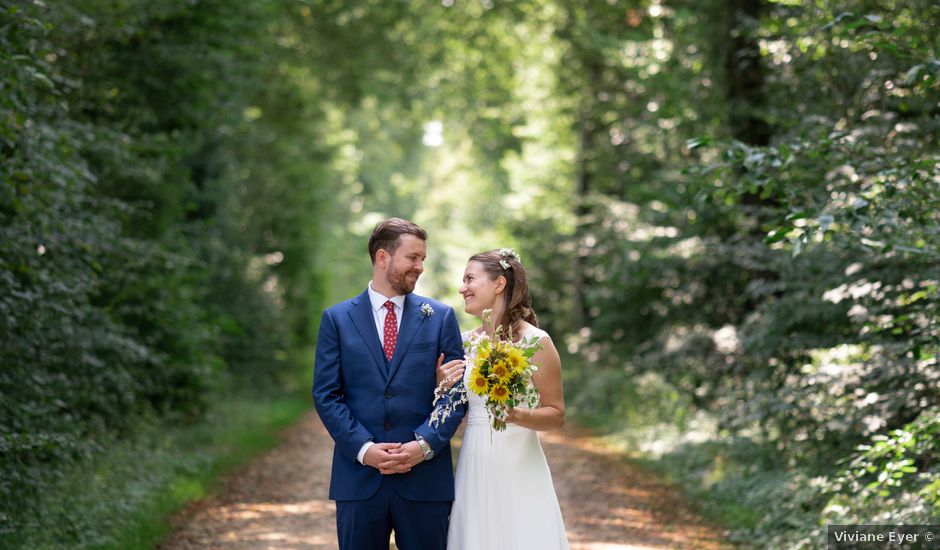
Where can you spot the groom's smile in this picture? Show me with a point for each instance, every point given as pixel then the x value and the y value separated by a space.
pixel 406 264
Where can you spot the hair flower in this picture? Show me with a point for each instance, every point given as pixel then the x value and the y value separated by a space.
pixel 508 254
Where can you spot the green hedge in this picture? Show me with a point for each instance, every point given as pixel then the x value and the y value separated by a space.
pixel 133 281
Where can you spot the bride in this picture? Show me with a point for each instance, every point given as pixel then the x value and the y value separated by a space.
pixel 505 499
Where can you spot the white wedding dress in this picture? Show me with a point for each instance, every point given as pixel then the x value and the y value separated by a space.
pixel 505 499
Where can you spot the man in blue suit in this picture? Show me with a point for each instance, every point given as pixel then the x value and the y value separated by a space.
pixel 373 387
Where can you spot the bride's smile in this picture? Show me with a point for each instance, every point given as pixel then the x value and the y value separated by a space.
pixel 478 291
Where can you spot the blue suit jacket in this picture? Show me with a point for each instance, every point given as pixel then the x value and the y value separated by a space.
pixel 360 396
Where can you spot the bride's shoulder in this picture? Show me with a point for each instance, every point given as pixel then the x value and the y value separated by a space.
pixel 530 331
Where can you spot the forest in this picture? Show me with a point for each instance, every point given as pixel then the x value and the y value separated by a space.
pixel 729 211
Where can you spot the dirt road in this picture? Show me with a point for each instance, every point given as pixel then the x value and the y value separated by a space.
pixel 279 501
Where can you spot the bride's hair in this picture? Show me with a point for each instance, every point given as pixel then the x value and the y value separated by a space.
pixel 517 305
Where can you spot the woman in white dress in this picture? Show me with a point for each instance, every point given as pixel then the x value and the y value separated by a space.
pixel 505 499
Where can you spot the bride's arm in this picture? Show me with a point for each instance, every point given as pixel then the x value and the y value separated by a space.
pixel 551 414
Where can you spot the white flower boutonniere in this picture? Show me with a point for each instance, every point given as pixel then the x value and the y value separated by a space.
pixel 426 310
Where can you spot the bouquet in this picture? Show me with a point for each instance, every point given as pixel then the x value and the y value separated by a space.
pixel 501 374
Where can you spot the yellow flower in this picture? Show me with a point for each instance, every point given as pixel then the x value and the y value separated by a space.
pixel 499 394
pixel 483 355
pixel 502 372
pixel 478 383
pixel 517 360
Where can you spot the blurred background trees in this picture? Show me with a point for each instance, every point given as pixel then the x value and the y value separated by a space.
pixel 729 209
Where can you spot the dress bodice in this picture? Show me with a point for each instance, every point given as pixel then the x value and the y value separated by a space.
pixel 476 410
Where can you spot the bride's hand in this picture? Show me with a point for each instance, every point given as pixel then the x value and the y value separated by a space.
pixel 449 373
pixel 515 415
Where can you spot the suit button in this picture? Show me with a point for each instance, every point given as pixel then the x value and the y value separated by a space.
pixel 388 426
pixel 388 394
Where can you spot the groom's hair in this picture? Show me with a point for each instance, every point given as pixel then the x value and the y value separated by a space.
pixel 386 235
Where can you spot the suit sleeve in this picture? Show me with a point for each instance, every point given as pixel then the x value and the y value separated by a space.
pixel 452 346
pixel 348 433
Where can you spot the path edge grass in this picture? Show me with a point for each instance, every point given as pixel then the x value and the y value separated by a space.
pixel 154 520
pixel 129 492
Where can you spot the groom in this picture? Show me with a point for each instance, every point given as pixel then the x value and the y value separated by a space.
pixel 373 388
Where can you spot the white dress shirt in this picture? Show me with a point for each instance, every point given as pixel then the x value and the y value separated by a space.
pixel 379 312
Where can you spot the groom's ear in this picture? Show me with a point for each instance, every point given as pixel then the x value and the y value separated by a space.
pixel 381 257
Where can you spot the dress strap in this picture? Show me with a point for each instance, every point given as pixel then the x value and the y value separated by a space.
pixel 536 332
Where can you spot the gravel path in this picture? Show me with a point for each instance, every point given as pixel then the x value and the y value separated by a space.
pixel 279 501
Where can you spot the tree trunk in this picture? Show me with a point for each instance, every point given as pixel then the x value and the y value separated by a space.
pixel 745 75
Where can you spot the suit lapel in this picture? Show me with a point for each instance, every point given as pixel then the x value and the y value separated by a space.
pixel 362 317
pixel 410 322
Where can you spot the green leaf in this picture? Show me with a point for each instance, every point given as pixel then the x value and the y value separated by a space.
pixel 695 143
pixel 799 215
pixel 778 234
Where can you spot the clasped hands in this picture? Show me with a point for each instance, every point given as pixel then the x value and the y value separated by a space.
pixel 394 458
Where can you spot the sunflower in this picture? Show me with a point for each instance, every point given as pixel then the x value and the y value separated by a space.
pixel 483 357
pixel 478 383
pixel 502 372
pixel 517 360
pixel 499 394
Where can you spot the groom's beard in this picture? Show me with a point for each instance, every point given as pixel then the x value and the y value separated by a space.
pixel 402 282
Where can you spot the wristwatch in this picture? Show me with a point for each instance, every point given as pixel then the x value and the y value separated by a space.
pixel 425 448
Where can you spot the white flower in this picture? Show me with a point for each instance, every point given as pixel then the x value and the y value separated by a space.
pixel 504 264
pixel 508 254
pixel 426 309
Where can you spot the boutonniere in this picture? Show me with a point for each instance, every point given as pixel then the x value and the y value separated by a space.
pixel 426 310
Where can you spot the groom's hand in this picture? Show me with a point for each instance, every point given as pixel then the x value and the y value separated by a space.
pixel 402 459
pixel 379 454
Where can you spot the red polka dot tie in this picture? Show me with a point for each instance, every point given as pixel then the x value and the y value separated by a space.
pixel 391 330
